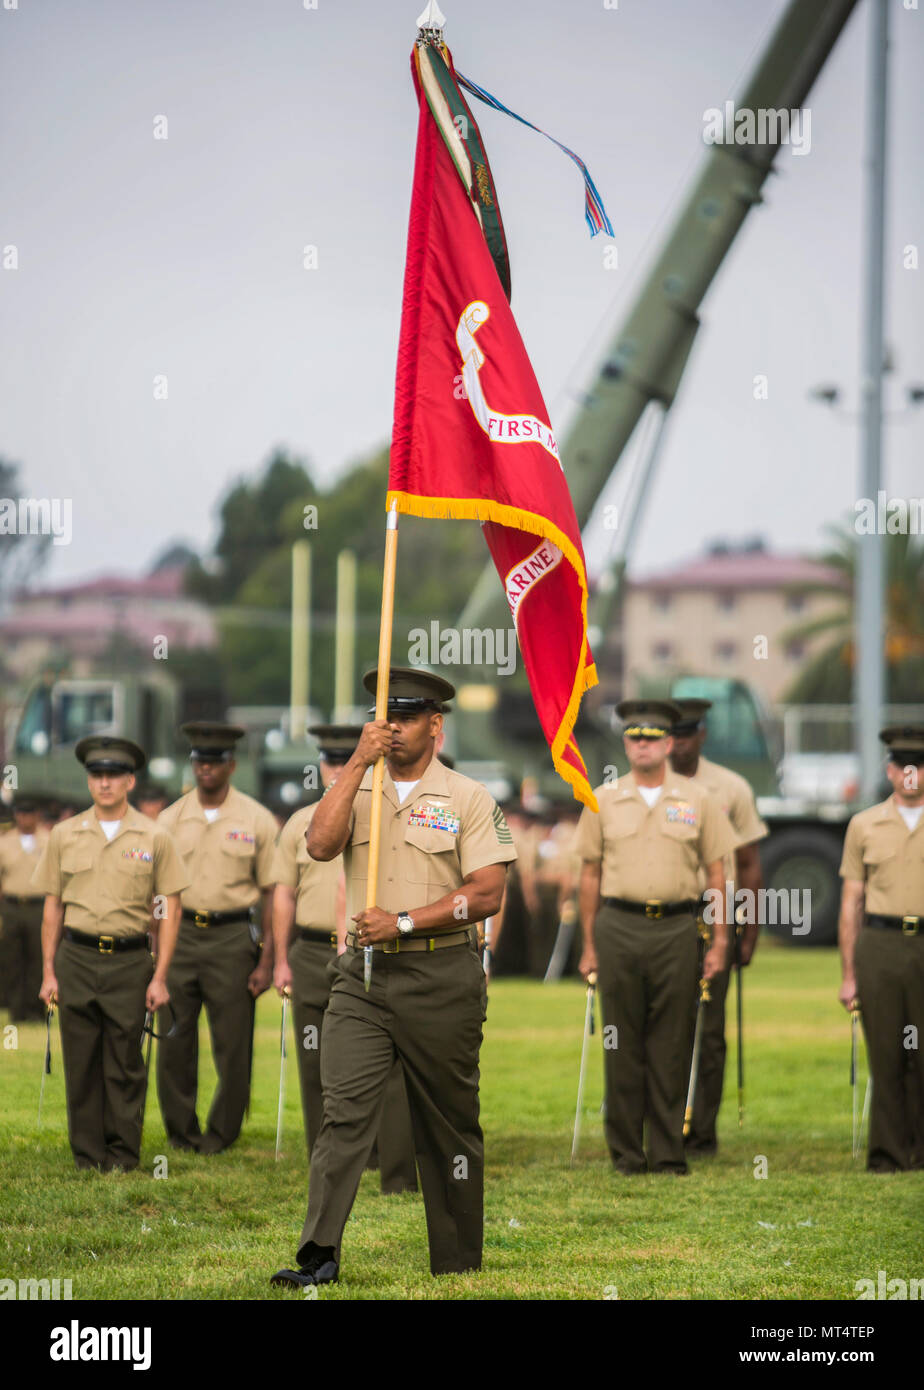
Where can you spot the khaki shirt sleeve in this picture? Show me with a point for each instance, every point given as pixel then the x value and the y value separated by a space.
pixel 47 875
pixel 266 850
pixel 484 837
pixel 742 813
pixel 852 858
pixel 716 837
pixel 285 870
pixel 588 837
pixel 169 874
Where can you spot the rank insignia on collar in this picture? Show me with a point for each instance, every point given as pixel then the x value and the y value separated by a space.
pixel 433 817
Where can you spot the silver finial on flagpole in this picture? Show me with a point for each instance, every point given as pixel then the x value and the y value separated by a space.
pixel 432 20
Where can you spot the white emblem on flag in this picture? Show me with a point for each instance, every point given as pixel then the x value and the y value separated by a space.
pixel 500 429
pixel 523 576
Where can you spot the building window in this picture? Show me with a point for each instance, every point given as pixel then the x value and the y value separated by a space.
pixel 663 602
pixel 795 603
pixel 662 651
pixel 726 651
pixel 727 601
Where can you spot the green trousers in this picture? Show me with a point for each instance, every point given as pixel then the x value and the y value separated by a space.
pixel 426 1009
pixel 211 966
pixel 101 1012
pixel 647 974
pixel 312 963
pixel 22 934
pixel 890 984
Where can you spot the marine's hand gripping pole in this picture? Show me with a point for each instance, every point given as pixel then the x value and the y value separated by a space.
pixel 381 712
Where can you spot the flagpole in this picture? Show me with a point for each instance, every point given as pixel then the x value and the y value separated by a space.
pixel 381 711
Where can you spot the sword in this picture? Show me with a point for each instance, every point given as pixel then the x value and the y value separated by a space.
pixel 148 1027
pixel 564 937
pixel 854 1047
pixel 739 1012
pixel 588 1030
pixel 486 958
pixel 283 1053
pixel 46 1069
pixel 866 1100
pixel 704 997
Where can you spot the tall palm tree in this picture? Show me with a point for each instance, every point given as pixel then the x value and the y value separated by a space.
pixel 828 677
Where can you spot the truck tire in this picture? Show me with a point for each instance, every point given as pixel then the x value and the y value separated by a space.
pixel 804 858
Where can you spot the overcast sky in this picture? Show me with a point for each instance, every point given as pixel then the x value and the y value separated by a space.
pixel 287 127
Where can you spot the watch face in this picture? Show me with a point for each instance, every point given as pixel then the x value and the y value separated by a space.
pixel 405 924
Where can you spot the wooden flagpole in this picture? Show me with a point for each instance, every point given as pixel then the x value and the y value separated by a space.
pixel 381 712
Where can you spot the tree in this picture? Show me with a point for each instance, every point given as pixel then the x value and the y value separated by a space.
pixel 828 677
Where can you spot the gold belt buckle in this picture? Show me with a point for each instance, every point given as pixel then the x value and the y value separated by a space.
pixel 653 909
pixel 391 948
pixel 201 919
pixel 333 938
pixel 910 926
pixel 108 949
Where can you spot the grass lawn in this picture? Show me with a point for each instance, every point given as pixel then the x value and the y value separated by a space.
pixel 216 1228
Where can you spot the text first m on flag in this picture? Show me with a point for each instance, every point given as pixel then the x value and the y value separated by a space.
pixel 489 452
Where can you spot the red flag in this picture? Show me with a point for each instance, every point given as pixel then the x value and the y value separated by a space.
pixel 472 438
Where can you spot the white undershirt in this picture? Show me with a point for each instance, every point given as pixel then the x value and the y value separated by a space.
pixel 650 794
pixel 911 815
pixel 211 812
pixel 27 842
pixel 404 789
pixel 109 827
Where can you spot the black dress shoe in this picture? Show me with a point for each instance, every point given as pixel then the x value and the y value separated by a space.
pixel 320 1269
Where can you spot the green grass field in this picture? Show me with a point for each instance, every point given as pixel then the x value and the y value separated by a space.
pixel 216 1228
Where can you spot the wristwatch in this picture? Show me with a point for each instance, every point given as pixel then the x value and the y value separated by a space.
pixel 405 924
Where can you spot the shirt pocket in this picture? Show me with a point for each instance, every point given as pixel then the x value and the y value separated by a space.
pixel 431 857
pixel 880 866
pixel 76 859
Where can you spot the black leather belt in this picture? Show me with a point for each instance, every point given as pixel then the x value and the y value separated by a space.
pixel 12 898
pixel 316 934
pixel 106 945
pixel 214 919
pixel 908 926
pixel 654 909
pixel 415 943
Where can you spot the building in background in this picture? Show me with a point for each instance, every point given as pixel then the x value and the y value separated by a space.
pixel 707 616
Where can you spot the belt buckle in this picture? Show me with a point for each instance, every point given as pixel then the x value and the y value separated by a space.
pixel 201 919
pixel 910 926
pixel 108 949
pixel 333 938
pixel 391 948
pixel 653 909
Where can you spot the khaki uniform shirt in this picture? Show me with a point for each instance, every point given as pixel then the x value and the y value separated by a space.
pixel 228 860
pixel 736 799
pixel 447 827
pixel 314 883
pixel 659 852
pixel 880 851
pixel 107 886
pixel 17 865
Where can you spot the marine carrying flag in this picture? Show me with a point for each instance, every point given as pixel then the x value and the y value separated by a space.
pixel 471 434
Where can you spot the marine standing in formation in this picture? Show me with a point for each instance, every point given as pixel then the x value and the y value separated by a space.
pixel 20 851
pixel 656 838
pixel 444 851
pixel 101 872
pixel 310 897
pixel 742 871
pixel 226 841
pixel 881 933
